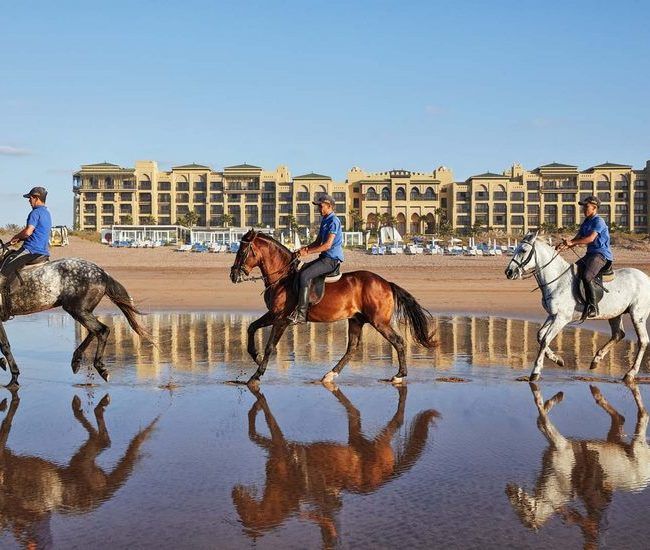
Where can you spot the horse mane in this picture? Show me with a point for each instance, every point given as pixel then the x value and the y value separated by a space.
pixel 268 238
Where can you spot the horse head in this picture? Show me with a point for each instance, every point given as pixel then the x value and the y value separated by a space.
pixel 246 259
pixel 523 258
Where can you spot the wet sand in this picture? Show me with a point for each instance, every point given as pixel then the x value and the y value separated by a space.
pixel 162 279
pixel 208 464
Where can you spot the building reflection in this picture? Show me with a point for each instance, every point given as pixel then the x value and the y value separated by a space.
pixel 307 480
pixel 205 341
pixel 579 477
pixel 33 488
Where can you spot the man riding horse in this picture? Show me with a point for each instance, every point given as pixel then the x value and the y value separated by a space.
pixel 36 241
pixel 595 234
pixel 329 244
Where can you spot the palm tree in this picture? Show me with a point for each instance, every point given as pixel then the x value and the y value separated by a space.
pixel 227 219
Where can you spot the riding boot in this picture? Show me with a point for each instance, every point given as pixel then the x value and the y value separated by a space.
pixel 591 307
pixel 4 302
pixel 299 315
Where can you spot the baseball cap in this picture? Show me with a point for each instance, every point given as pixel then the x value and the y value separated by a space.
pixel 324 198
pixel 590 199
pixel 39 192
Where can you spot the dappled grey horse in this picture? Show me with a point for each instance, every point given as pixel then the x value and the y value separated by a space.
pixel 629 292
pixel 77 286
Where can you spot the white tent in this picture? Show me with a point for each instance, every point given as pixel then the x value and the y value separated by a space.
pixel 390 234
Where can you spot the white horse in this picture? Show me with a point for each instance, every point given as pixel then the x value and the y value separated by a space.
pixel 629 292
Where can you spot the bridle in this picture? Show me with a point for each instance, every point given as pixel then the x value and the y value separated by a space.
pixel 537 270
pixel 240 265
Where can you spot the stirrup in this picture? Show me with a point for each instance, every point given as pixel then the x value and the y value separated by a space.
pixel 296 318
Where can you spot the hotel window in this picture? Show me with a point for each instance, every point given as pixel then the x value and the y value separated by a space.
pixel 604 197
pixel 568 197
pixel 182 197
pixel 462 221
pixel 586 185
pixel 517 220
pixel 216 197
pixel 481 208
pixel 199 186
pixel 640 208
pixel 164 209
pixel 91 197
pixel 400 194
pixel 500 196
pixel 639 195
pixel 216 209
pixel 125 209
pixel 144 185
pixel 517 196
pixel 533 197
pixel 461 196
pixel 533 209
pixel 164 186
pixel 621 185
pixel 517 207
pixel 128 184
pixel 640 220
pixel 145 197
pixel 108 196
pixel 199 197
pixel 621 196
pixel 550 197
pixel 286 209
pixel 339 196
pixel 165 198
pixel 640 184
pixel 602 185
pixel 107 209
pixel 216 186
pixel 182 186
pixel 107 220
pixel 234 197
pixel 252 197
pixel 302 208
pixel 532 185
pixel 285 197
pixel 500 208
pixel 145 209
pixel 126 197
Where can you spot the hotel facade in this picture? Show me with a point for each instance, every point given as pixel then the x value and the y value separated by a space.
pixel 415 202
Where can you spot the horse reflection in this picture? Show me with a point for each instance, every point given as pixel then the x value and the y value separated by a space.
pixel 307 479
pixel 32 488
pixel 586 470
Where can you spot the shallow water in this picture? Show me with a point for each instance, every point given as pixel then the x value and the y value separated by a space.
pixel 205 464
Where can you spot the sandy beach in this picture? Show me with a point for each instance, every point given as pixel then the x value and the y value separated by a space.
pixel 162 279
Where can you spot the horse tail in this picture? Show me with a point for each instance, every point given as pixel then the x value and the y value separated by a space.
pixel 416 440
pixel 416 317
pixel 120 297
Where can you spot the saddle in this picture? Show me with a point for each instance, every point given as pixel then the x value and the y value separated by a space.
pixel 605 275
pixel 317 284
pixel 17 279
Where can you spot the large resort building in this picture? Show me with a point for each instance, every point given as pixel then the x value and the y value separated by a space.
pixel 417 203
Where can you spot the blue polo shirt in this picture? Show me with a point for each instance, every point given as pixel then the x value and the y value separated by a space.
pixel 39 241
pixel 601 244
pixel 331 224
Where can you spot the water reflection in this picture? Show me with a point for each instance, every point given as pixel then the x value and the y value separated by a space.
pixel 203 341
pixel 590 471
pixel 309 479
pixel 32 488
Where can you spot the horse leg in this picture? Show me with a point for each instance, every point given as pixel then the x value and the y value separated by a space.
pixel 5 348
pixel 264 321
pixel 547 350
pixel 97 330
pixel 388 332
pixel 277 330
pixel 616 324
pixel 550 329
pixel 642 336
pixel 615 434
pixel 354 337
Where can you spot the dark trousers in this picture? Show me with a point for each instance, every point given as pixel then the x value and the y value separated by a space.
pixel 313 269
pixel 15 261
pixel 590 265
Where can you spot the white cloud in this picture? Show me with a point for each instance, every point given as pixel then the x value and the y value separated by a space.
pixel 10 151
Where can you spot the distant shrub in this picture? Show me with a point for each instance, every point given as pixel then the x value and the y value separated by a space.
pixel 86 235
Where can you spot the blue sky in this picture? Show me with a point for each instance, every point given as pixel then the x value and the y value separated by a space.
pixel 319 86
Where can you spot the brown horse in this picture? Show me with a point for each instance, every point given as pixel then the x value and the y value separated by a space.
pixel 359 296
pixel 314 475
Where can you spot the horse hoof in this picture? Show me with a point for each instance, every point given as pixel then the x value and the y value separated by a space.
pixel 628 379
pixel 3 363
pixel 329 377
pixel 534 377
pixel 13 384
pixel 76 365
pixel 559 362
pixel 76 404
pixel 104 374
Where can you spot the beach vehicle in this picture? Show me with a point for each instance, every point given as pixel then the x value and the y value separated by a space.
pixel 59 236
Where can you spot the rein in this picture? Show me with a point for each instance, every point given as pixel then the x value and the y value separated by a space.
pixel 247 278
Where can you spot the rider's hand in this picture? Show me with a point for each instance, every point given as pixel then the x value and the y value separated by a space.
pixel 303 251
pixel 562 246
pixel 13 242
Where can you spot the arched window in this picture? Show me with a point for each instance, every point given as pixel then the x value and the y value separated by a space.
pixel 371 194
pixel 430 194
pixel 415 194
pixel 401 222
pixel 400 195
pixel 371 222
pixel 385 194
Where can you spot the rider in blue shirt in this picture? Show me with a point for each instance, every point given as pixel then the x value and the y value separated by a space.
pixel 595 234
pixel 329 244
pixel 36 244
